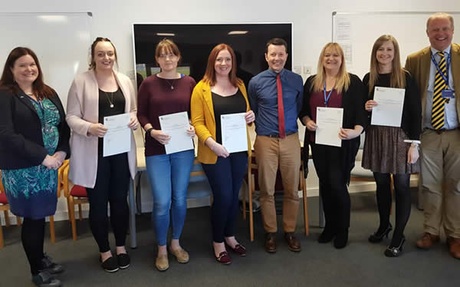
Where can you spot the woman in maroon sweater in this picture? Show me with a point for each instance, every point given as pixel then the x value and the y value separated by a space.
pixel 166 93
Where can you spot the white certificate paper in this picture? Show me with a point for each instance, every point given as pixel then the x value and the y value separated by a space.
pixel 390 102
pixel 329 122
pixel 234 134
pixel 176 126
pixel 118 137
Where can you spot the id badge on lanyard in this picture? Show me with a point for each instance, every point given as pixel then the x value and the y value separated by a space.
pixel 447 93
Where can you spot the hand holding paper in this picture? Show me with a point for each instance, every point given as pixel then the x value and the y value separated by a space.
pixel 118 137
pixel 160 136
pixel 388 112
pixel 234 134
pixel 329 122
pixel 176 126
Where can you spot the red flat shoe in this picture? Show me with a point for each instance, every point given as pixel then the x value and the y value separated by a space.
pixel 224 258
pixel 239 249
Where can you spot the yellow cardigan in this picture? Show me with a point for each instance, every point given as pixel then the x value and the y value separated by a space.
pixel 204 122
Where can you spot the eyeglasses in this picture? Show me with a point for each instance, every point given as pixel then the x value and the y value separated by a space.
pixel 165 56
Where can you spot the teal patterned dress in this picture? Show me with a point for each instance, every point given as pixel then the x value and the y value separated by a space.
pixel 32 191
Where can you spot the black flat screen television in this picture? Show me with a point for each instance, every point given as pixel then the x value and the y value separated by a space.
pixel 196 41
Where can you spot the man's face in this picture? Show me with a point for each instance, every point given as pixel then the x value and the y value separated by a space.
pixel 440 32
pixel 276 57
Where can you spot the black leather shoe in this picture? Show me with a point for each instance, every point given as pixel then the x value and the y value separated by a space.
pixel 49 266
pixel 341 239
pixel 45 279
pixel 292 242
pixel 270 242
pixel 395 251
pixel 378 236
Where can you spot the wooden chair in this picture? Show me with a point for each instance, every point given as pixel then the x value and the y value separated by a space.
pixel 76 195
pixel 5 207
pixel 251 180
pixel 60 188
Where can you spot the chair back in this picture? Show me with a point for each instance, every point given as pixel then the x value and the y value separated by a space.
pixel 3 199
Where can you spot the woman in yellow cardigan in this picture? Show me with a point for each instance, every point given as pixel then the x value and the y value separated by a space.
pixel 221 92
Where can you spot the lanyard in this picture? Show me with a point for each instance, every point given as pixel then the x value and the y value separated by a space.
pixel 445 77
pixel 328 96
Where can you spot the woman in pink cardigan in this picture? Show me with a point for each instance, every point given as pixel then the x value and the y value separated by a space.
pixel 95 94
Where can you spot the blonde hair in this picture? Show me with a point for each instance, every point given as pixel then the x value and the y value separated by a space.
pixel 397 77
pixel 342 78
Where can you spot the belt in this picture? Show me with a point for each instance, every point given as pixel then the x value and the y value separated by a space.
pixel 440 131
pixel 278 135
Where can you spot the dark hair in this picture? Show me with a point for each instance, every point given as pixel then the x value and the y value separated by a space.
pixel 167 45
pixel 7 80
pixel 210 74
pixel 276 42
pixel 92 63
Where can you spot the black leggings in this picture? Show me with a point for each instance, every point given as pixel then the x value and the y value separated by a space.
pixel 33 237
pixel 332 186
pixel 402 202
pixel 112 183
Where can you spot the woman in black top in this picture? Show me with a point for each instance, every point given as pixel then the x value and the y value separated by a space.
pixel 34 142
pixel 334 87
pixel 386 151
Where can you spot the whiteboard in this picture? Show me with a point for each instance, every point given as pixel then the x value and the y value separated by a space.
pixel 356 32
pixel 60 40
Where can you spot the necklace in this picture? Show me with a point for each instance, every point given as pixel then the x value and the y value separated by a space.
pixel 171 84
pixel 110 100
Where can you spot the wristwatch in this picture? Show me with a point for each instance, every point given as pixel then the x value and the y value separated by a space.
pixel 148 131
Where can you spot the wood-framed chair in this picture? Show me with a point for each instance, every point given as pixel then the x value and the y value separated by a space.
pixel 75 195
pixel 5 207
pixel 251 181
pixel 60 188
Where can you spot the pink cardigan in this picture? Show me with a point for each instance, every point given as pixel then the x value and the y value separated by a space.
pixel 82 111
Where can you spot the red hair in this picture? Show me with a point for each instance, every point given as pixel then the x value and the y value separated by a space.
pixel 210 74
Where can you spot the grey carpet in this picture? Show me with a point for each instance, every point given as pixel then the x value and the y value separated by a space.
pixel 359 264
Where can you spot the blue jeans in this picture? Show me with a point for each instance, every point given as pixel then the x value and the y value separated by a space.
pixel 169 175
pixel 225 178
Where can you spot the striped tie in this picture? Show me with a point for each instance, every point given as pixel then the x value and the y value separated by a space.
pixel 437 112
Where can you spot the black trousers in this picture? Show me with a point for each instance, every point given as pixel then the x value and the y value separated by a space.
pixel 328 163
pixel 112 183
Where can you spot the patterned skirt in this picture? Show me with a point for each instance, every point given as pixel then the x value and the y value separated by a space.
pixel 31 192
pixel 386 152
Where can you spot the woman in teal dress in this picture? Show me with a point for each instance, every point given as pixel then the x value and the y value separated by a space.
pixel 34 142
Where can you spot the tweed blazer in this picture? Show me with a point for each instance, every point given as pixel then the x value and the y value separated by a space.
pixel 204 122
pixel 418 64
pixel 82 111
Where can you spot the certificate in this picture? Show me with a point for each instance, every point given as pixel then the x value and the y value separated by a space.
pixel 118 137
pixel 390 102
pixel 329 123
pixel 234 134
pixel 176 126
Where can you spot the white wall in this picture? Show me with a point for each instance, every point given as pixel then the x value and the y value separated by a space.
pixel 312 19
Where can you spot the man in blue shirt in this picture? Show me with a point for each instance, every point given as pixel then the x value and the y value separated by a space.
pixel 275 96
